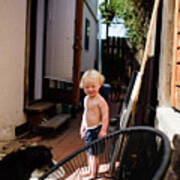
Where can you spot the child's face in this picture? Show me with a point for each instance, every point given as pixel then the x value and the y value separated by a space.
pixel 91 87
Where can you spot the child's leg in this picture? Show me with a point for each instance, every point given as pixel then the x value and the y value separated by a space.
pixel 94 166
pixel 86 170
pixel 89 162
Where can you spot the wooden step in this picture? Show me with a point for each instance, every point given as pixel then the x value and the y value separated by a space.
pixel 40 107
pixel 54 122
pixel 39 111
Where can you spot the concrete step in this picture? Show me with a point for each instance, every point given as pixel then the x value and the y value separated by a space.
pixel 54 122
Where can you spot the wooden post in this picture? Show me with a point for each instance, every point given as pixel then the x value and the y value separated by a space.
pixel 27 55
pixel 77 50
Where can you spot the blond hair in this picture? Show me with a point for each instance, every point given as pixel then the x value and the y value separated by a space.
pixel 92 74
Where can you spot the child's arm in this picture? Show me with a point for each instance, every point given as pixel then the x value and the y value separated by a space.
pixel 105 118
pixel 83 123
pixel 83 127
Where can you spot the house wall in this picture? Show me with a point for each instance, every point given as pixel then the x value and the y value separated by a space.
pixel 60 39
pixel 167 119
pixel 12 57
pixel 92 5
pixel 89 56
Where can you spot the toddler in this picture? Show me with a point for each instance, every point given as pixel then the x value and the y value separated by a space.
pixel 95 117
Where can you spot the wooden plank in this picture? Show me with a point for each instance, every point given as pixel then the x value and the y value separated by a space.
pixel 176 57
pixel 177 98
pixel 27 54
pixel 178 16
pixel 176 53
pixel 178 39
pixel 118 47
pixel 113 48
pixel 40 107
pixel 177 75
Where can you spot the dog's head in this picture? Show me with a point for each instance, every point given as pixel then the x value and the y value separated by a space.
pixel 39 157
pixel 25 161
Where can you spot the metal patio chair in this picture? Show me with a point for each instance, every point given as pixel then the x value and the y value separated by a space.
pixel 144 154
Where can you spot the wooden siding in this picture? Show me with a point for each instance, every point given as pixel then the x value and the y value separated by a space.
pixel 175 86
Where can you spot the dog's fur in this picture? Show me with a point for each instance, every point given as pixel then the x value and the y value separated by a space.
pixel 19 165
pixel 173 172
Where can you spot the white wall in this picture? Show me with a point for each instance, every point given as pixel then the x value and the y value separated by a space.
pixel 168 121
pixel 89 56
pixel 12 57
pixel 60 39
pixel 93 5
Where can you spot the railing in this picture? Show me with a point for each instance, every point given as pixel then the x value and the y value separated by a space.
pixel 145 155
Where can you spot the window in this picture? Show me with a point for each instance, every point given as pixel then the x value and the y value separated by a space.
pixel 87 34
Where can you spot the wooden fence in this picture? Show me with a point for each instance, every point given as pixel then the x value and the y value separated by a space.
pixel 113 58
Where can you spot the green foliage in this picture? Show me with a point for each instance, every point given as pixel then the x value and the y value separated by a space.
pixel 107 11
pixel 136 14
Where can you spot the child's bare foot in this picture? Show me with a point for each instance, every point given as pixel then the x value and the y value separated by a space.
pixel 85 174
pixel 92 177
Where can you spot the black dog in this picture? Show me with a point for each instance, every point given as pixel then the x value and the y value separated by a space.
pixel 19 165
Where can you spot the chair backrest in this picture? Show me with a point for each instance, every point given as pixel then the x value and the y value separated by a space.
pixel 144 154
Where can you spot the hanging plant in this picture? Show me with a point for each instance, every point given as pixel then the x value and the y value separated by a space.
pixel 107 11
pixel 136 15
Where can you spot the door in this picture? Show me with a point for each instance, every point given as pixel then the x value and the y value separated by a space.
pixel 53 51
pixel 59 56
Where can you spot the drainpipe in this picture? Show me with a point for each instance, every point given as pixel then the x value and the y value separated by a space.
pixel 99 63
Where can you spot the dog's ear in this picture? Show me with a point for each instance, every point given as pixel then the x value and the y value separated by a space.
pixel 50 148
pixel 176 141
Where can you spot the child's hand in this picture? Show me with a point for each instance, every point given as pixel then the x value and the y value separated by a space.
pixel 82 132
pixel 102 133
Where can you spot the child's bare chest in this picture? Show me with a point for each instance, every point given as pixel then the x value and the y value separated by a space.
pixel 92 105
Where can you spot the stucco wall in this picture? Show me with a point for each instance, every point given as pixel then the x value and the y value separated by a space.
pixel 12 48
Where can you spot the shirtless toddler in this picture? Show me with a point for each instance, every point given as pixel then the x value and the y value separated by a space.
pixel 95 117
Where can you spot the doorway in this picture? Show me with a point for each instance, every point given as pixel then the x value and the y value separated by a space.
pixel 53 58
